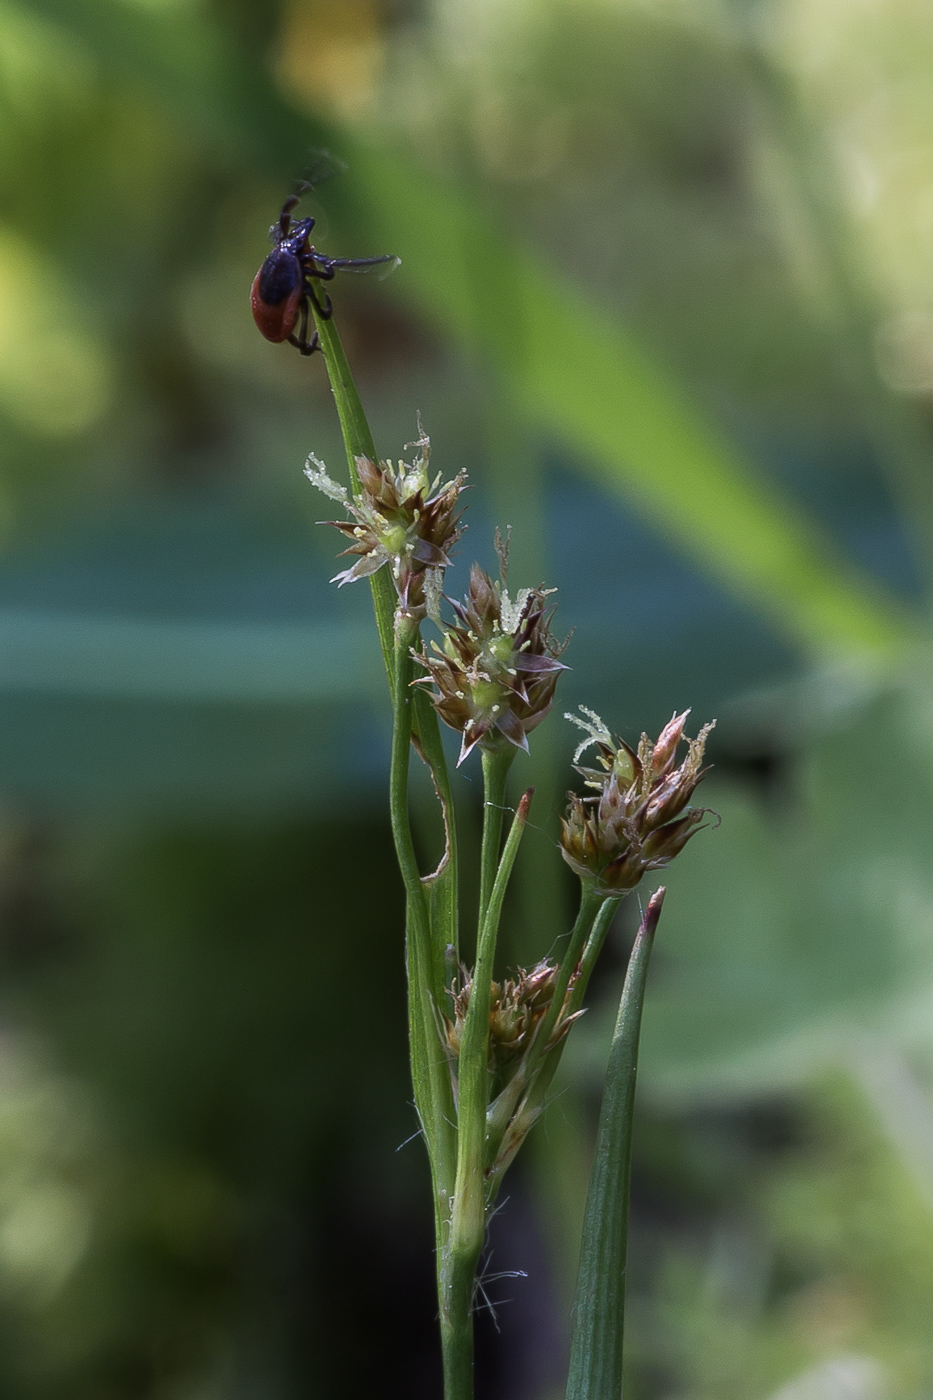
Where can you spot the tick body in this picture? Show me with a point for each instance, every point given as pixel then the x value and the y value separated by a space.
pixel 284 290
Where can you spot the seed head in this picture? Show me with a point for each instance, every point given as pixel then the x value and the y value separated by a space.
pixel 400 518
pixel 497 667
pixel 517 1006
pixel 640 818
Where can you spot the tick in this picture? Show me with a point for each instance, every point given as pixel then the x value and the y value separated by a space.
pixel 284 289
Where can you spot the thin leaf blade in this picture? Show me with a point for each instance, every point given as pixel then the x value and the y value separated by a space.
pixel 599 1305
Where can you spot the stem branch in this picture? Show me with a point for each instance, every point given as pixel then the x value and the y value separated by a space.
pixel 468 1219
pixel 358 442
pixel 433 1093
pixel 496 765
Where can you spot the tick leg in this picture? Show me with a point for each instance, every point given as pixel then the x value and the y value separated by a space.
pixel 326 310
pixel 307 347
pixel 285 216
pixel 360 264
pixel 316 265
pixel 301 341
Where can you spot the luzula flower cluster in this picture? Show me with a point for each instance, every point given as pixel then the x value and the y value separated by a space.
pixel 517 1007
pixel 496 671
pixel 400 518
pixel 640 818
pixel 493 675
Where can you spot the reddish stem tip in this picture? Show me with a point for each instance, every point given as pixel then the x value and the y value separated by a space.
pixel 522 811
pixel 653 913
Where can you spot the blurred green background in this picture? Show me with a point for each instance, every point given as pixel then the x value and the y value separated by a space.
pixel 667 293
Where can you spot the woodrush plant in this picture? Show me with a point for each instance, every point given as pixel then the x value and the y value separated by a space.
pixel 484 1051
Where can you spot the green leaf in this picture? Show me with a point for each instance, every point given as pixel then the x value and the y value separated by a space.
pixel 599 1306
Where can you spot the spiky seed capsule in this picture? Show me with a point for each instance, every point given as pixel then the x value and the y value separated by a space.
pixel 494 673
pixel 400 518
pixel 640 818
pixel 517 1006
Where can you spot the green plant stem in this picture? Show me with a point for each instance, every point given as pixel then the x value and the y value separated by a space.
pixel 432 903
pixel 358 442
pixel 468 1218
pixel 595 938
pixel 429 1070
pixel 523 1099
pixel 599 1307
pixel 590 902
pixel 591 952
pixel 496 765
pixel 433 1093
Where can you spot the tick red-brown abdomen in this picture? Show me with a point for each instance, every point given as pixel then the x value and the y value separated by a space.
pixel 275 318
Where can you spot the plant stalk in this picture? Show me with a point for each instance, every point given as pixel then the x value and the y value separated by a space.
pixel 590 902
pixel 358 442
pixel 591 952
pixel 524 1098
pixel 433 1093
pixel 468 1218
pixel 496 765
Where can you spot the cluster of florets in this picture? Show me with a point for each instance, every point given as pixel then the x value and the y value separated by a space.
pixel 516 1009
pixel 400 518
pixel 496 670
pixel 640 817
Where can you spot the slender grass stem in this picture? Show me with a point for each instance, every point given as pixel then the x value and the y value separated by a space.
pixel 588 912
pixel 468 1219
pixel 429 1070
pixel 496 765
pixel 433 1093
pixel 432 904
pixel 534 1077
pixel 358 442
pixel 540 1075
pixel 591 952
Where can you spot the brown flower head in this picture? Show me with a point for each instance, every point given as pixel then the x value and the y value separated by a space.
pixel 640 818
pixel 496 669
pixel 517 1007
pixel 401 518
